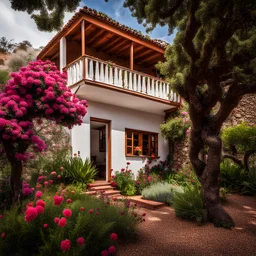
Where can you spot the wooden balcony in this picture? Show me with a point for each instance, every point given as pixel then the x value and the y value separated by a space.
pixel 91 69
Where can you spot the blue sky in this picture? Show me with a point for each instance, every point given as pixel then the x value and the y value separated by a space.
pixel 19 26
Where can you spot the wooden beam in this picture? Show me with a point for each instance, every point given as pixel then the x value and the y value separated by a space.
pixel 131 56
pixel 118 45
pixel 54 56
pixel 143 54
pixel 109 46
pixel 136 49
pixel 98 38
pixel 95 36
pixel 83 38
pixel 150 57
pixel 88 27
pixel 123 48
pixel 108 36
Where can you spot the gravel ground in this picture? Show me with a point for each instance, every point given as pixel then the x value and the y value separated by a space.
pixel 163 234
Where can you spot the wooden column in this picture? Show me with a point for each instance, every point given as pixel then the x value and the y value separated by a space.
pixel 131 56
pixel 63 53
pixel 83 45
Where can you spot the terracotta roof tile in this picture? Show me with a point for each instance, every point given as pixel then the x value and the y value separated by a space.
pixel 105 18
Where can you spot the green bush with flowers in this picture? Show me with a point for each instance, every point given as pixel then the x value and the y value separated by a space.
pixel 64 222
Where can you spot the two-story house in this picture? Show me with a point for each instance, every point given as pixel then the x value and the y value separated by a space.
pixel 113 67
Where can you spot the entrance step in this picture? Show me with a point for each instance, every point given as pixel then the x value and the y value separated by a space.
pixel 100 188
pixel 111 193
pixel 148 204
pixel 99 183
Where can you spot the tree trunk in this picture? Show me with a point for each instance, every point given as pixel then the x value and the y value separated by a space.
pixel 208 174
pixel 246 158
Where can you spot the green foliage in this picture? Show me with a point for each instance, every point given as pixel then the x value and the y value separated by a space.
pixel 4 76
pixel 161 192
pixel 125 182
pixel 231 176
pixel 32 238
pixel 78 171
pixel 48 15
pixel 243 136
pixel 174 129
pixel 189 204
pixel 6 45
pixel 249 186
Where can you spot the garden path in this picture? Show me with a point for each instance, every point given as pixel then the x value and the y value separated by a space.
pixel 163 234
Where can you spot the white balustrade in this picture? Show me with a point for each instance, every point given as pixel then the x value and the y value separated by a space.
pixel 113 75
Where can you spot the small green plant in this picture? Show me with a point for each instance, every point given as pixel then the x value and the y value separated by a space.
pixel 4 76
pixel 189 204
pixel 125 181
pixel 249 186
pixel 161 192
pixel 231 176
pixel 78 171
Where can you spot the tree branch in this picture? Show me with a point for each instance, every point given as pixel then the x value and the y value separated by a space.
pixel 233 158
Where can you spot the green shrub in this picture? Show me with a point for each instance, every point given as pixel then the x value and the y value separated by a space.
pixel 94 223
pixel 249 186
pixel 4 76
pixel 125 182
pixel 231 176
pixel 161 192
pixel 189 204
pixel 78 171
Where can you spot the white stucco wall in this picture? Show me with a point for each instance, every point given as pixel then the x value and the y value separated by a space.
pixel 121 118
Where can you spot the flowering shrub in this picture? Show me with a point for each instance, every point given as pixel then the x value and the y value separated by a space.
pixel 124 181
pixel 86 226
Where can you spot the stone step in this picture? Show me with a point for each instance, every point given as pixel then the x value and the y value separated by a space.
pixel 98 184
pixel 106 193
pixel 148 204
pixel 100 188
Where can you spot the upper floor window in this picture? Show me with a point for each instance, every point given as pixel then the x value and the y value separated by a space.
pixel 141 143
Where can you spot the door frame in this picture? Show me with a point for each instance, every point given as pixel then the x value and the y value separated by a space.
pixel 109 155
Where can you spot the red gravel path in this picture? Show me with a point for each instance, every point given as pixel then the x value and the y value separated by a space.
pixel 163 234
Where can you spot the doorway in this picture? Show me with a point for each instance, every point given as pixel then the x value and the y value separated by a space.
pixel 101 147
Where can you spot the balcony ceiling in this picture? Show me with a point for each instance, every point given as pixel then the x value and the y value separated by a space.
pixel 114 44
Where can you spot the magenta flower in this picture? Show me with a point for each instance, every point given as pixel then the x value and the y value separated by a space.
pixel 65 245
pixel 114 236
pixel 112 249
pixel 67 213
pixel 80 240
pixel 62 222
pixel 57 200
pixel 69 201
pixel 41 203
pixel 104 253
pixel 38 194
pixel 56 220
pixel 39 209
pixel 3 235
pixel 31 214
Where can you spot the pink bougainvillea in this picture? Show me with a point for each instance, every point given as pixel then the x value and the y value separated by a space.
pixel 56 220
pixel 67 213
pixel 38 194
pixel 41 203
pixel 39 209
pixel 62 222
pixel 31 214
pixel 57 200
pixel 104 253
pixel 112 249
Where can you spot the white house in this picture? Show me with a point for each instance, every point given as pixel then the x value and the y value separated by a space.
pixel 113 68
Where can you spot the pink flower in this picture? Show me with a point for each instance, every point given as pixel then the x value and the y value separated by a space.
pixel 69 201
pixel 53 173
pixel 114 236
pixel 58 177
pixel 112 249
pixel 90 211
pixel 82 209
pixel 3 235
pixel 39 209
pixel 31 214
pixel 80 240
pixel 104 253
pixel 45 225
pixel 41 203
pixel 67 213
pixel 46 183
pixel 57 200
pixel 56 220
pixel 38 194
pixel 65 245
pixel 61 168
pixel 1 216
pixel 62 222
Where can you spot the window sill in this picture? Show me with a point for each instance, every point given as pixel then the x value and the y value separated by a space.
pixel 143 156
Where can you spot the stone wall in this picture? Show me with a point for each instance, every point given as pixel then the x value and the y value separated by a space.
pixel 245 111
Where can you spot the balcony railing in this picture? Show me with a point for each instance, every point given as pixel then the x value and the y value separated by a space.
pixel 94 69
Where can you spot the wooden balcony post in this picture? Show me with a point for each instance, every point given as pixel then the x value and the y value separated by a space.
pixel 131 56
pixel 63 53
pixel 83 45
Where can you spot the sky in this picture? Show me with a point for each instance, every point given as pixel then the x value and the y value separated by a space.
pixel 19 26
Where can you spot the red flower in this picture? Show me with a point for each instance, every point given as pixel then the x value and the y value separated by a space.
pixel 80 240
pixel 62 222
pixel 45 225
pixel 82 209
pixel 56 220
pixel 38 194
pixel 128 163
pixel 46 183
pixel 31 214
pixel 53 173
pixel 90 211
pixel 114 236
pixel 57 200
pixel 67 213
pixel 40 202
pixel 39 209
pixel 104 253
pixel 112 249
pixel 58 177
pixel 3 235
pixel 69 201
pixel 65 245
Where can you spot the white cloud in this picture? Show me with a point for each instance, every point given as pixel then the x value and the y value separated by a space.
pixel 19 26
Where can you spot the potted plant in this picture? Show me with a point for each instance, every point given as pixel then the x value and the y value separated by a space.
pixel 138 150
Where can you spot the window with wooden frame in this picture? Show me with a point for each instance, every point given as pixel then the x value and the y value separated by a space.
pixel 141 143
